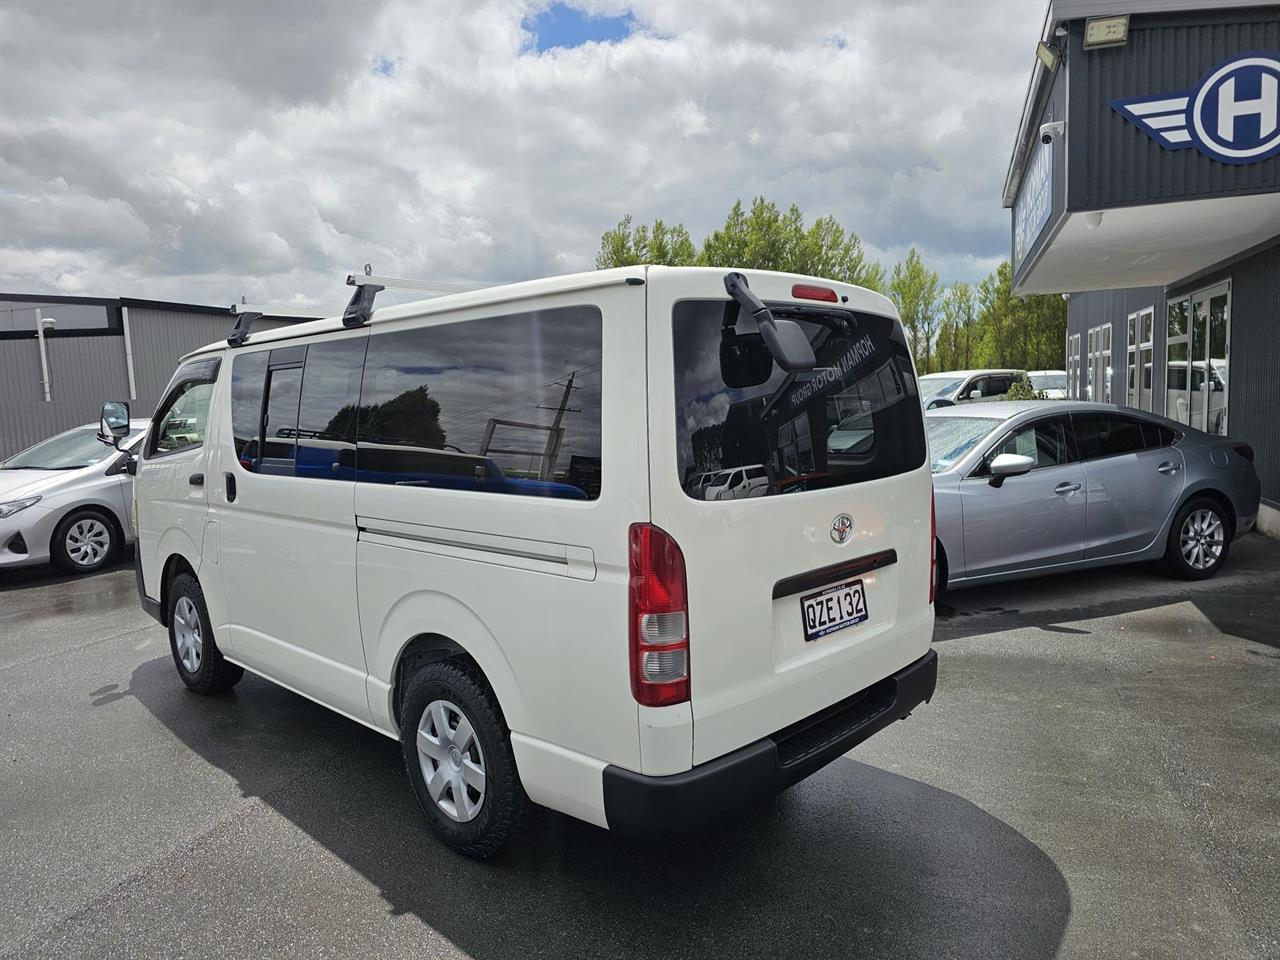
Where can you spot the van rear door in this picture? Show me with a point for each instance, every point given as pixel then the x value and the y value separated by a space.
pixel 817 586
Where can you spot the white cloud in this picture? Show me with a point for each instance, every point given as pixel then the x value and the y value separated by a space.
pixel 195 152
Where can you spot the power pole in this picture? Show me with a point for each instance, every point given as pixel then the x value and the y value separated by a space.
pixel 554 435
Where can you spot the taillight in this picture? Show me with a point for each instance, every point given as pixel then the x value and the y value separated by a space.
pixel 804 291
pixel 933 551
pixel 659 618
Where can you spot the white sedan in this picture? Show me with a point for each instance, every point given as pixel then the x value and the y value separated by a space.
pixel 67 500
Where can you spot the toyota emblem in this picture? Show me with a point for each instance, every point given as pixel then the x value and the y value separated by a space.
pixel 841 528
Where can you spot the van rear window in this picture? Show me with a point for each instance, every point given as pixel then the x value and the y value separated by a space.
pixel 856 417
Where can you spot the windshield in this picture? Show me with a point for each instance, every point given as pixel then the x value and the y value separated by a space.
pixel 944 387
pixel 855 417
pixel 1049 381
pixel 67 451
pixel 950 438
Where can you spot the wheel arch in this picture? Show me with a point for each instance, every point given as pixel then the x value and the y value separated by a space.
pixel 98 507
pixel 174 565
pixel 1217 496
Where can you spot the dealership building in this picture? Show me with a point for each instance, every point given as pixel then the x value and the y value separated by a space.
pixel 61 357
pixel 1145 186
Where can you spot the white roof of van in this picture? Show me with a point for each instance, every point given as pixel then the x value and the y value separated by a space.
pixel 860 298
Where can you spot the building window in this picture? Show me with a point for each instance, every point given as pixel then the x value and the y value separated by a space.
pixel 1073 367
pixel 1140 357
pixel 1098 373
pixel 18 318
pixel 1198 354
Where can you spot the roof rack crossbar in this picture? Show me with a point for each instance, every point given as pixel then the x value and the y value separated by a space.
pixel 240 334
pixel 360 309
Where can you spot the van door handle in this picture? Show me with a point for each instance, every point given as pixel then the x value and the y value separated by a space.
pixel 231 486
pixel 1168 468
pixel 1063 489
pixel 196 479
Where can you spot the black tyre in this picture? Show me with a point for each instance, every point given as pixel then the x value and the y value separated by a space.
pixel 195 653
pixel 457 752
pixel 1199 540
pixel 84 541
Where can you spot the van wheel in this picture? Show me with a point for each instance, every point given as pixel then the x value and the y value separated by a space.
pixel 457 751
pixel 83 542
pixel 199 661
pixel 1199 540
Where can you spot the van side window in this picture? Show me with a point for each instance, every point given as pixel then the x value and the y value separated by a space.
pixel 248 374
pixel 506 404
pixel 280 423
pixel 330 403
pixel 182 418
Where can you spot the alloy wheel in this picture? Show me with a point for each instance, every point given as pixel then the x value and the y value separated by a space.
pixel 88 541
pixel 1202 538
pixel 451 760
pixel 186 634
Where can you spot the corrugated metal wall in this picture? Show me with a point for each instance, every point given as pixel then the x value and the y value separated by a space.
pixel 85 371
pixel 1086 310
pixel 1253 379
pixel 1112 162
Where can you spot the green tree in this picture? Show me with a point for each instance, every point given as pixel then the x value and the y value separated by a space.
pixel 997 318
pixel 914 288
pixel 763 238
pixel 625 246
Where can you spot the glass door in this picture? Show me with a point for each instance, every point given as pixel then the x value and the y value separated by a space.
pixel 1198 355
pixel 1139 359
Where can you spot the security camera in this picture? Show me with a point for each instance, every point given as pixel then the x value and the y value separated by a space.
pixel 1050 132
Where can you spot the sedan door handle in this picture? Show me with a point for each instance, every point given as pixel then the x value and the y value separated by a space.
pixel 1063 489
pixel 196 479
pixel 1168 468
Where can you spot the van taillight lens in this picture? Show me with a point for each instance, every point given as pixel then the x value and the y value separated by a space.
pixel 659 618
pixel 933 551
pixel 804 291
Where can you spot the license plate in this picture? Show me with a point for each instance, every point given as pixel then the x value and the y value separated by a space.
pixel 833 609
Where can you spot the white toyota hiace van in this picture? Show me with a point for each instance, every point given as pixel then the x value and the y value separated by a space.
pixel 472 524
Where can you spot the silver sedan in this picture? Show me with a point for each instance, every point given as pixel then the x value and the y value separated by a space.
pixel 1024 488
pixel 67 500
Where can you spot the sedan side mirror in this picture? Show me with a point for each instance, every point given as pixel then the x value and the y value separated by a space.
pixel 1009 465
pixel 113 425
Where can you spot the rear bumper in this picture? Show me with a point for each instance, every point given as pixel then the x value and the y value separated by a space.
pixel 639 805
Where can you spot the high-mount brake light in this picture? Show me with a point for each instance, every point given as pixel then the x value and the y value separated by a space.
pixel 804 291
pixel 658 618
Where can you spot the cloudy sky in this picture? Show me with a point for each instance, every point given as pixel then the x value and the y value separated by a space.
pixel 204 151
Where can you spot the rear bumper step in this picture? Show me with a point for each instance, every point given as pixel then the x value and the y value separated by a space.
pixel 642 806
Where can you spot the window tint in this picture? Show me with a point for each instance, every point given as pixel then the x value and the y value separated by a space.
pixel 1107 435
pixel 330 400
pixel 1045 442
pixel 1154 435
pixel 280 424
pixel 248 375
pixel 501 405
pixel 182 418
pixel 855 417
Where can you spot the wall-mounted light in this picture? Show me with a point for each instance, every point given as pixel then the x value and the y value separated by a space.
pixel 1092 221
pixel 1106 31
pixel 1047 55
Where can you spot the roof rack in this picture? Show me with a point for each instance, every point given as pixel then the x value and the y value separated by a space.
pixel 244 321
pixel 368 287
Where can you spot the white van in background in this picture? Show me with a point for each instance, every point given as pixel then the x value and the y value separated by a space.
pixel 544 613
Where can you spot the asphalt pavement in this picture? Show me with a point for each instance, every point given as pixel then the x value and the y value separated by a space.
pixel 1097 776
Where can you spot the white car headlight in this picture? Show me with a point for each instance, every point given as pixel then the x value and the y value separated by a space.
pixel 13 506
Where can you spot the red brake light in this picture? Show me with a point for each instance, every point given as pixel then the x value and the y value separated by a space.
pixel 658 618
pixel 803 291
pixel 933 551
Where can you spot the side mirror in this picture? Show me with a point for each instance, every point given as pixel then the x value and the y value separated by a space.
pixel 975 394
pixel 1009 465
pixel 113 425
pixel 937 403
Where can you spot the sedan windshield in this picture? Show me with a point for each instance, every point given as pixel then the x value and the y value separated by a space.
pixel 950 438
pixel 940 386
pixel 67 451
